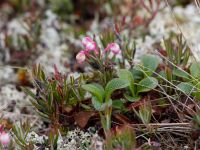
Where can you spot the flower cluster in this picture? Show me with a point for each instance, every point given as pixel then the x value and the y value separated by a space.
pixel 4 136
pixel 91 45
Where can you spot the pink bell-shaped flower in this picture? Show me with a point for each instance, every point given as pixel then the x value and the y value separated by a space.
pixel 114 48
pixel 89 44
pixel 4 138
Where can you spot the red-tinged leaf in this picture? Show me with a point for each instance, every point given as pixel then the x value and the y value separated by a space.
pixel 137 104
pixel 19 55
pixel 59 90
pixel 117 29
pixel 122 119
pixel 123 20
pixel 83 117
pixel 56 73
pixel 151 4
pixel 68 109
pixel 163 52
pixel 138 21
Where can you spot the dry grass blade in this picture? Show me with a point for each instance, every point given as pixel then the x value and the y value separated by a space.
pixel 163 127
pixel 197 2
pixel 195 53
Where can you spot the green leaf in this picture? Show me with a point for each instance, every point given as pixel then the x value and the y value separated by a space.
pixel 197 95
pixel 50 98
pixel 29 92
pixel 85 106
pixel 150 62
pixel 127 75
pixel 162 75
pixel 137 73
pixel 96 90
pixel 195 70
pixel 132 99
pixel 107 104
pixel 118 104
pixel 96 103
pixel 147 84
pixel 185 87
pixel 180 73
pixel 113 85
pixel 42 75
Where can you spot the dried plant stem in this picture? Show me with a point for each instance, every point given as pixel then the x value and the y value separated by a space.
pixel 163 125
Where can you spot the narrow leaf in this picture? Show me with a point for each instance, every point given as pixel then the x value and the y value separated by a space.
pixel 29 92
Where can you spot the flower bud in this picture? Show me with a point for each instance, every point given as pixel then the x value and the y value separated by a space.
pixel 80 57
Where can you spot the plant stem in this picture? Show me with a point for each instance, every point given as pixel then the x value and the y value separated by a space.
pixel 108 118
